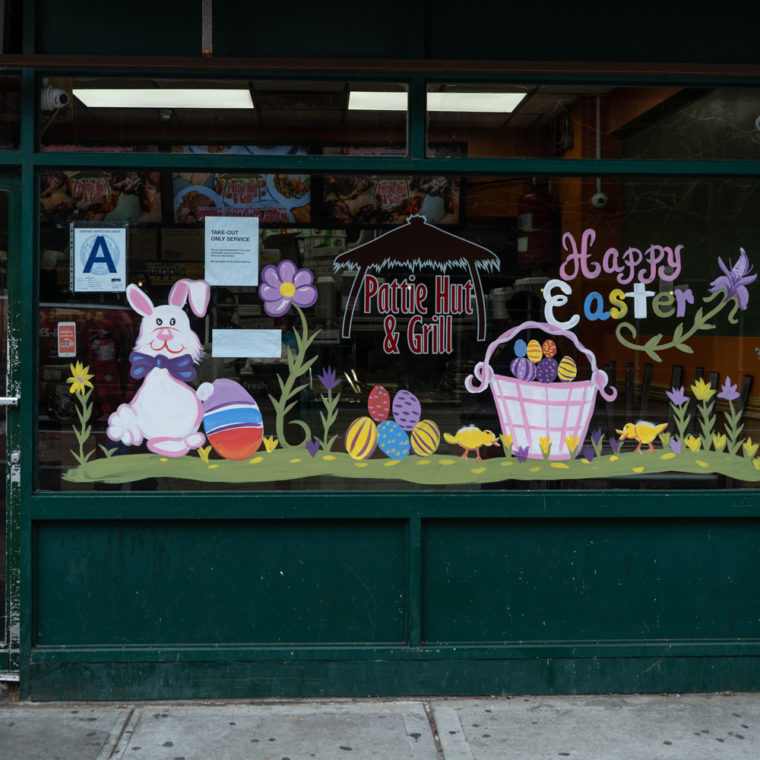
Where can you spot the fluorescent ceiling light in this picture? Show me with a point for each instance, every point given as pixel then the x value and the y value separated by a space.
pixel 164 98
pixel 359 100
pixel 474 102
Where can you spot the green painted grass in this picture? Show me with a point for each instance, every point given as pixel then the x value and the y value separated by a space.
pixel 438 469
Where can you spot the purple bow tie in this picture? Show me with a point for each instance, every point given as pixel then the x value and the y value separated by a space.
pixel 181 368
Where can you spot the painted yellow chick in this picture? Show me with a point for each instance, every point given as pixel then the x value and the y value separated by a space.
pixel 471 438
pixel 643 432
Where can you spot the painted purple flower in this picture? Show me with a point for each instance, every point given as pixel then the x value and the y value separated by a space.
pixel 283 284
pixel 521 452
pixel 735 279
pixel 313 447
pixel 596 436
pixel 676 396
pixel 614 445
pixel 328 378
pixel 728 391
pixel 675 445
pixel 588 453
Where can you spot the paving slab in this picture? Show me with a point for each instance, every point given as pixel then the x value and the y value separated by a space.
pixel 671 727
pixel 296 731
pixel 42 732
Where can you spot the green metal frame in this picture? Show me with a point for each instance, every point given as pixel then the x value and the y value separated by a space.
pixel 411 665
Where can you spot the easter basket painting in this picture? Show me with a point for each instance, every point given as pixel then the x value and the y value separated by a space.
pixel 530 410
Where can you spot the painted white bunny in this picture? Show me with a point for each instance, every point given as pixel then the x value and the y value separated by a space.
pixel 166 412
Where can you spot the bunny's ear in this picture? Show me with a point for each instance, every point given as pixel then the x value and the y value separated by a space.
pixel 197 292
pixel 139 301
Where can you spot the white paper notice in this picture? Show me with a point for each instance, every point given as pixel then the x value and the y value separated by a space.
pixel 246 344
pixel 232 250
pixel 99 259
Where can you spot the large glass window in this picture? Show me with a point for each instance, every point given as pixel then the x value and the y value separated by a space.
pixel 406 332
pixel 595 121
pixel 239 117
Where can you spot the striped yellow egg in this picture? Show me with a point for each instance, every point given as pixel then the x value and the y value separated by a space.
pixel 361 438
pixel 535 354
pixel 567 369
pixel 425 438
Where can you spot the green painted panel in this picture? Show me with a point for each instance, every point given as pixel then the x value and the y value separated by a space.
pixel 576 580
pixel 324 678
pixel 131 583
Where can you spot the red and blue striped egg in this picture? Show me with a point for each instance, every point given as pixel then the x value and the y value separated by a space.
pixel 232 421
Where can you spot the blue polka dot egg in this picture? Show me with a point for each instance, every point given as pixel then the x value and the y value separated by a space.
pixel 392 440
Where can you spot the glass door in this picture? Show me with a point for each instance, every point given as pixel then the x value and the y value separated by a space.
pixel 9 609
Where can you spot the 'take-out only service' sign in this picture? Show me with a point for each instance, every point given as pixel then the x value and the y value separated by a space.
pixel 232 250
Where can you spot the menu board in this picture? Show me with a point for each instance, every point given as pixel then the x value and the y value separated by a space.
pixel 273 198
pixel 100 196
pixel 351 199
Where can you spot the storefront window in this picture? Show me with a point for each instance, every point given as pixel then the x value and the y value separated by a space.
pixel 391 332
pixel 10 112
pixel 239 117
pixel 595 121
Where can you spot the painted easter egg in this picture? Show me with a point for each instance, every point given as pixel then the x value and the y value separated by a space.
pixel 425 438
pixel 567 369
pixel 406 410
pixel 232 421
pixel 546 370
pixel 361 438
pixel 534 352
pixel 392 440
pixel 522 368
pixel 379 403
pixel 549 348
pixel 521 347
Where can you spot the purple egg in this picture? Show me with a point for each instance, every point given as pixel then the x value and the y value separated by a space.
pixel 406 410
pixel 523 368
pixel 546 370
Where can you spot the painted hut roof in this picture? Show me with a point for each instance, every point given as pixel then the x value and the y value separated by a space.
pixel 417 244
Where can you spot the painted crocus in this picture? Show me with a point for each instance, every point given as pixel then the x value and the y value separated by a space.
pixel 614 445
pixel 270 443
pixel 676 396
pixel 750 449
pixel 675 445
pixel 328 378
pixel 521 452
pixel 506 443
pixel 571 441
pixel 313 447
pixel 728 391
pixel 735 279
pixel 702 390
pixel 693 443
pixel 719 441
pixel 546 445
pixel 284 284
pixel 588 453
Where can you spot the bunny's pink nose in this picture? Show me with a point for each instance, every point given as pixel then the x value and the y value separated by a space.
pixel 165 333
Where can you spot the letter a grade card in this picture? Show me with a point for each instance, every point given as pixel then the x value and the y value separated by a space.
pixel 98 259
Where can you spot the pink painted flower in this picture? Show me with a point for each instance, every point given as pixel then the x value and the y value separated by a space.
pixel 283 284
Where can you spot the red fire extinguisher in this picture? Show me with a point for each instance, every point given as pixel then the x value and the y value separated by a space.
pixel 534 229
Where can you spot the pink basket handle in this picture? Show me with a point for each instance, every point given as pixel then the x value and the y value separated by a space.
pixel 483 372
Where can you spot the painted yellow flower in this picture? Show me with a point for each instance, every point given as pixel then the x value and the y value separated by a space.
pixel 546 444
pixel 719 441
pixel 702 390
pixel 203 453
pixel 692 442
pixel 571 441
pixel 506 440
pixel 80 378
pixel 270 443
pixel 750 449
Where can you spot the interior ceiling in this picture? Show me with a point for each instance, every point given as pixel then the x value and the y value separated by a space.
pixel 325 104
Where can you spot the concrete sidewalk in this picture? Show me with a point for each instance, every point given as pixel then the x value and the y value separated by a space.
pixel 689 727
